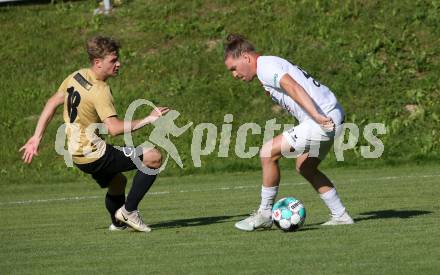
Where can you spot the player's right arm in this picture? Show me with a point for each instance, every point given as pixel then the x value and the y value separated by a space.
pixel 300 96
pixel 31 146
pixel 273 73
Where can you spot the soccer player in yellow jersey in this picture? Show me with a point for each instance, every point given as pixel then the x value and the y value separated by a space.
pixel 87 100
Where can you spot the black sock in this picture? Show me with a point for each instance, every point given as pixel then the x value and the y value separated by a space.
pixel 141 184
pixel 113 203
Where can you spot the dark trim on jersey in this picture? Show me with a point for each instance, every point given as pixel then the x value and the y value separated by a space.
pixel 83 82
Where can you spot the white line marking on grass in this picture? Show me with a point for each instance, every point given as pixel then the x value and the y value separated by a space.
pixel 51 200
pixel 204 190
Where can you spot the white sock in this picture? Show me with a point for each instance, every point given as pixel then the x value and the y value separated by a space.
pixel 268 195
pixel 333 202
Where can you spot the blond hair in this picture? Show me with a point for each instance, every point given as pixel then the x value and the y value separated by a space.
pixel 101 46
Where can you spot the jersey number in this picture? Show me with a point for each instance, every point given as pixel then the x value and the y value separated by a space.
pixel 73 100
pixel 307 75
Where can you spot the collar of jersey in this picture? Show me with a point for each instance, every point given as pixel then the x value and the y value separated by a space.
pixel 92 75
pixel 258 56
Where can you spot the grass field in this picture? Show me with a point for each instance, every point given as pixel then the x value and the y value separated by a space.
pixel 62 228
pixel 380 58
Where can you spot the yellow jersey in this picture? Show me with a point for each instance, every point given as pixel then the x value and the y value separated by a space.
pixel 87 101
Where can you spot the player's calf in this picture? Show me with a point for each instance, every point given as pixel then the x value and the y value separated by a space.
pixel 142 181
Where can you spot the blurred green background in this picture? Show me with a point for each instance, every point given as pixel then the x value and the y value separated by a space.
pixel 380 58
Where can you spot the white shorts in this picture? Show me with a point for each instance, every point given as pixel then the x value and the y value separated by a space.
pixel 310 137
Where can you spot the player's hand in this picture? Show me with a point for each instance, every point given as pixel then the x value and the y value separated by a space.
pixel 30 149
pixel 325 122
pixel 158 112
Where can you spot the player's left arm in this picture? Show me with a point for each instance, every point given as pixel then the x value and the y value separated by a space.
pixel 31 146
pixel 300 96
pixel 117 126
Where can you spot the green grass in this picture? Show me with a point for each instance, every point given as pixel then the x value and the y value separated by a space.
pixel 377 56
pixel 193 218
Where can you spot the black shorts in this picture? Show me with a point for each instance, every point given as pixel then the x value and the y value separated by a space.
pixel 114 161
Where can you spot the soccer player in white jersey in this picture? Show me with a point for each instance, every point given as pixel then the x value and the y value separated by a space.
pixel 320 119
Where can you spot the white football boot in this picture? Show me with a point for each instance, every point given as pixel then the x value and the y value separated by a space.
pixel 344 219
pixel 133 219
pixel 113 227
pixel 254 221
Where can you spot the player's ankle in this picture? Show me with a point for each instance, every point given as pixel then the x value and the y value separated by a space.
pixel 265 212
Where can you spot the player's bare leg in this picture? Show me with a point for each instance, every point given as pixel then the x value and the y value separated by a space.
pixel 270 153
pixel 308 168
pixel 129 213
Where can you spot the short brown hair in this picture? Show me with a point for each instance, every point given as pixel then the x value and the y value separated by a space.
pixel 236 45
pixel 100 46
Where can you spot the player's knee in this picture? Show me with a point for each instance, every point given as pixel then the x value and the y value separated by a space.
pixel 266 153
pixel 152 158
pixel 268 159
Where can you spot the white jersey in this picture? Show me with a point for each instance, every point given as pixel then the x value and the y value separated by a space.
pixel 270 69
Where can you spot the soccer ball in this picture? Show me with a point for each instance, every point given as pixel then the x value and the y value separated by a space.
pixel 289 214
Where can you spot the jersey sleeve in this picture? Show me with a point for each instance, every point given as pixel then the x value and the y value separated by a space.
pixel 103 102
pixel 270 73
pixel 63 86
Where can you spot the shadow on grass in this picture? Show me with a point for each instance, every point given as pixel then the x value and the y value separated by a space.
pixel 211 220
pixel 218 219
pixel 200 221
pixel 389 214
pixel 195 221
pixel 385 214
pixel 308 228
